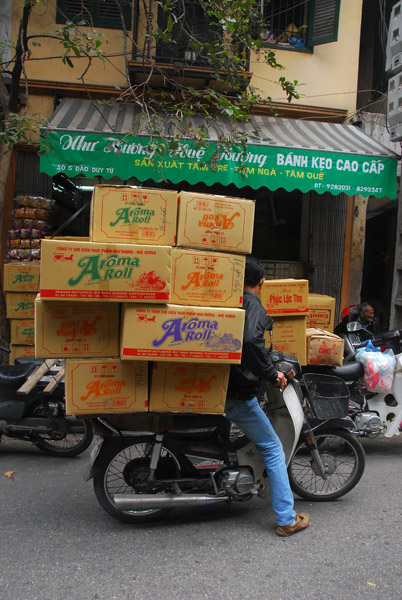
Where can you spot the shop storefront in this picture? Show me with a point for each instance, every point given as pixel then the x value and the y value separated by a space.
pixel 301 174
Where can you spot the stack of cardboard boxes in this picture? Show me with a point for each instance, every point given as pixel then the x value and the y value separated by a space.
pixel 21 284
pixel 156 292
pixel 147 312
pixel 303 322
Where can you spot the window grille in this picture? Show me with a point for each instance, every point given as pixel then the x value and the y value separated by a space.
pixel 94 13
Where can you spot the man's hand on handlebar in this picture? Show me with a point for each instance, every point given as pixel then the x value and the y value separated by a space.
pixel 281 381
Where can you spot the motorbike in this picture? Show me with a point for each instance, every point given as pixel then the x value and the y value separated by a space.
pixel 373 413
pixel 145 465
pixel 32 408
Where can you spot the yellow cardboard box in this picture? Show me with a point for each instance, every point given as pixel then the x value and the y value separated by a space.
pixel 188 387
pixel 114 272
pixel 285 297
pixel 289 336
pixel 22 331
pixel 321 311
pixel 215 222
pixel 324 347
pixel 21 277
pixel 16 351
pixel 181 333
pixel 127 214
pixel 20 305
pixel 97 386
pixel 202 278
pixel 69 329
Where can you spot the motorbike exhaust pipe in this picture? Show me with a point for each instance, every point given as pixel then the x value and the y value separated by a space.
pixel 127 502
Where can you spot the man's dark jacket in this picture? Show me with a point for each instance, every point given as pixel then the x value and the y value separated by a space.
pixel 245 379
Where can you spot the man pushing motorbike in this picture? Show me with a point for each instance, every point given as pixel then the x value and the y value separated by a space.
pixel 243 409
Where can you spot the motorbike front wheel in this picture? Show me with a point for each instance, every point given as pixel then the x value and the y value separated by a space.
pixel 124 471
pixel 343 457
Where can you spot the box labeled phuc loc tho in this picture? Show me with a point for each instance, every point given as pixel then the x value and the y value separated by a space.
pixel 181 333
pixel 285 297
pixel 202 278
pixel 97 386
pixel 113 272
pixel 215 222
pixel 127 214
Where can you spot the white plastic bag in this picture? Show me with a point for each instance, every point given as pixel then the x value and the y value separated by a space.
pixel 379 368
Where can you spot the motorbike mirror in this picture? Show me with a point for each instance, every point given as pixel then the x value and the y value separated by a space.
pixel 269 323
pixel 354 326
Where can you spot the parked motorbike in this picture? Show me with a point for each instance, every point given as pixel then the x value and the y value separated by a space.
pixel 143 469
pixel 32 408
pixel 373 413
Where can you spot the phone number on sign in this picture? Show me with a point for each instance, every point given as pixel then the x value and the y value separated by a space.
pixel 370 190
pixel 341 188
pixel 348 188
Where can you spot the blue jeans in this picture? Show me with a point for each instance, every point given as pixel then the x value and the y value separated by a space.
pixel 249 416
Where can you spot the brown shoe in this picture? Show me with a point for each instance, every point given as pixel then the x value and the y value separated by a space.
pixel 302 521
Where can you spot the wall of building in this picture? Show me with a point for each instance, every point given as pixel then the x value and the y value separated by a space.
pixel 45 62
pixel 328 76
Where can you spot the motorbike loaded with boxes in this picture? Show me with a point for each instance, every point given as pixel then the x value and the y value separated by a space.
pixel 147 316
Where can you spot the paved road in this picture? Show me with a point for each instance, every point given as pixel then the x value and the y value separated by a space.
pixel 58 544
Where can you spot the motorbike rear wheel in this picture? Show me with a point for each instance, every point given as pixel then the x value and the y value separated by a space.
pixel 122 470
pixel 71 439
pixel 344 461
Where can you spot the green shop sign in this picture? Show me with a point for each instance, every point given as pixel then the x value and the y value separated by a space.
pixel 108 155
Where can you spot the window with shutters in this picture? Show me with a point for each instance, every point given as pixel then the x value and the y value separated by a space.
pixel 189 23
pixel 95 13
pixel 300 24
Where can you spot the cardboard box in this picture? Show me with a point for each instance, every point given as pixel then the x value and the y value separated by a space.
pixel 202 278
pixel 21 277
pixel 289 336
pixel 321 311
pixel 22 331
pixel 69 329
pixel 285 297
pixel 20 305
pixel 181 333
pixel 97 386
pixel 126 214
pixel 215 222
pixel 196 388
pixel 16 351
pixel 114 272
pixel 324 347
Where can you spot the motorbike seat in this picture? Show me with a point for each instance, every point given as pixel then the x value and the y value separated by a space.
pixel 13 376
pixel 349 371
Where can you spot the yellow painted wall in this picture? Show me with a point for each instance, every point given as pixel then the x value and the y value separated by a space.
pixel 328 75
pixel 40 67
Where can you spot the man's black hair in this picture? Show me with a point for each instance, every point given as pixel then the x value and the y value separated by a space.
pixel 254 272
pixel 364 305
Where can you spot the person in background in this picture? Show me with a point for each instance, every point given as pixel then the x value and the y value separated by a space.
pixel 367 317
pixel 243 409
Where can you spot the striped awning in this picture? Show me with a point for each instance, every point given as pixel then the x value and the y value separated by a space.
pixel 83 137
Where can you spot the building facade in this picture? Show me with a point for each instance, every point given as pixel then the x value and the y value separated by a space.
pixel 311 194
